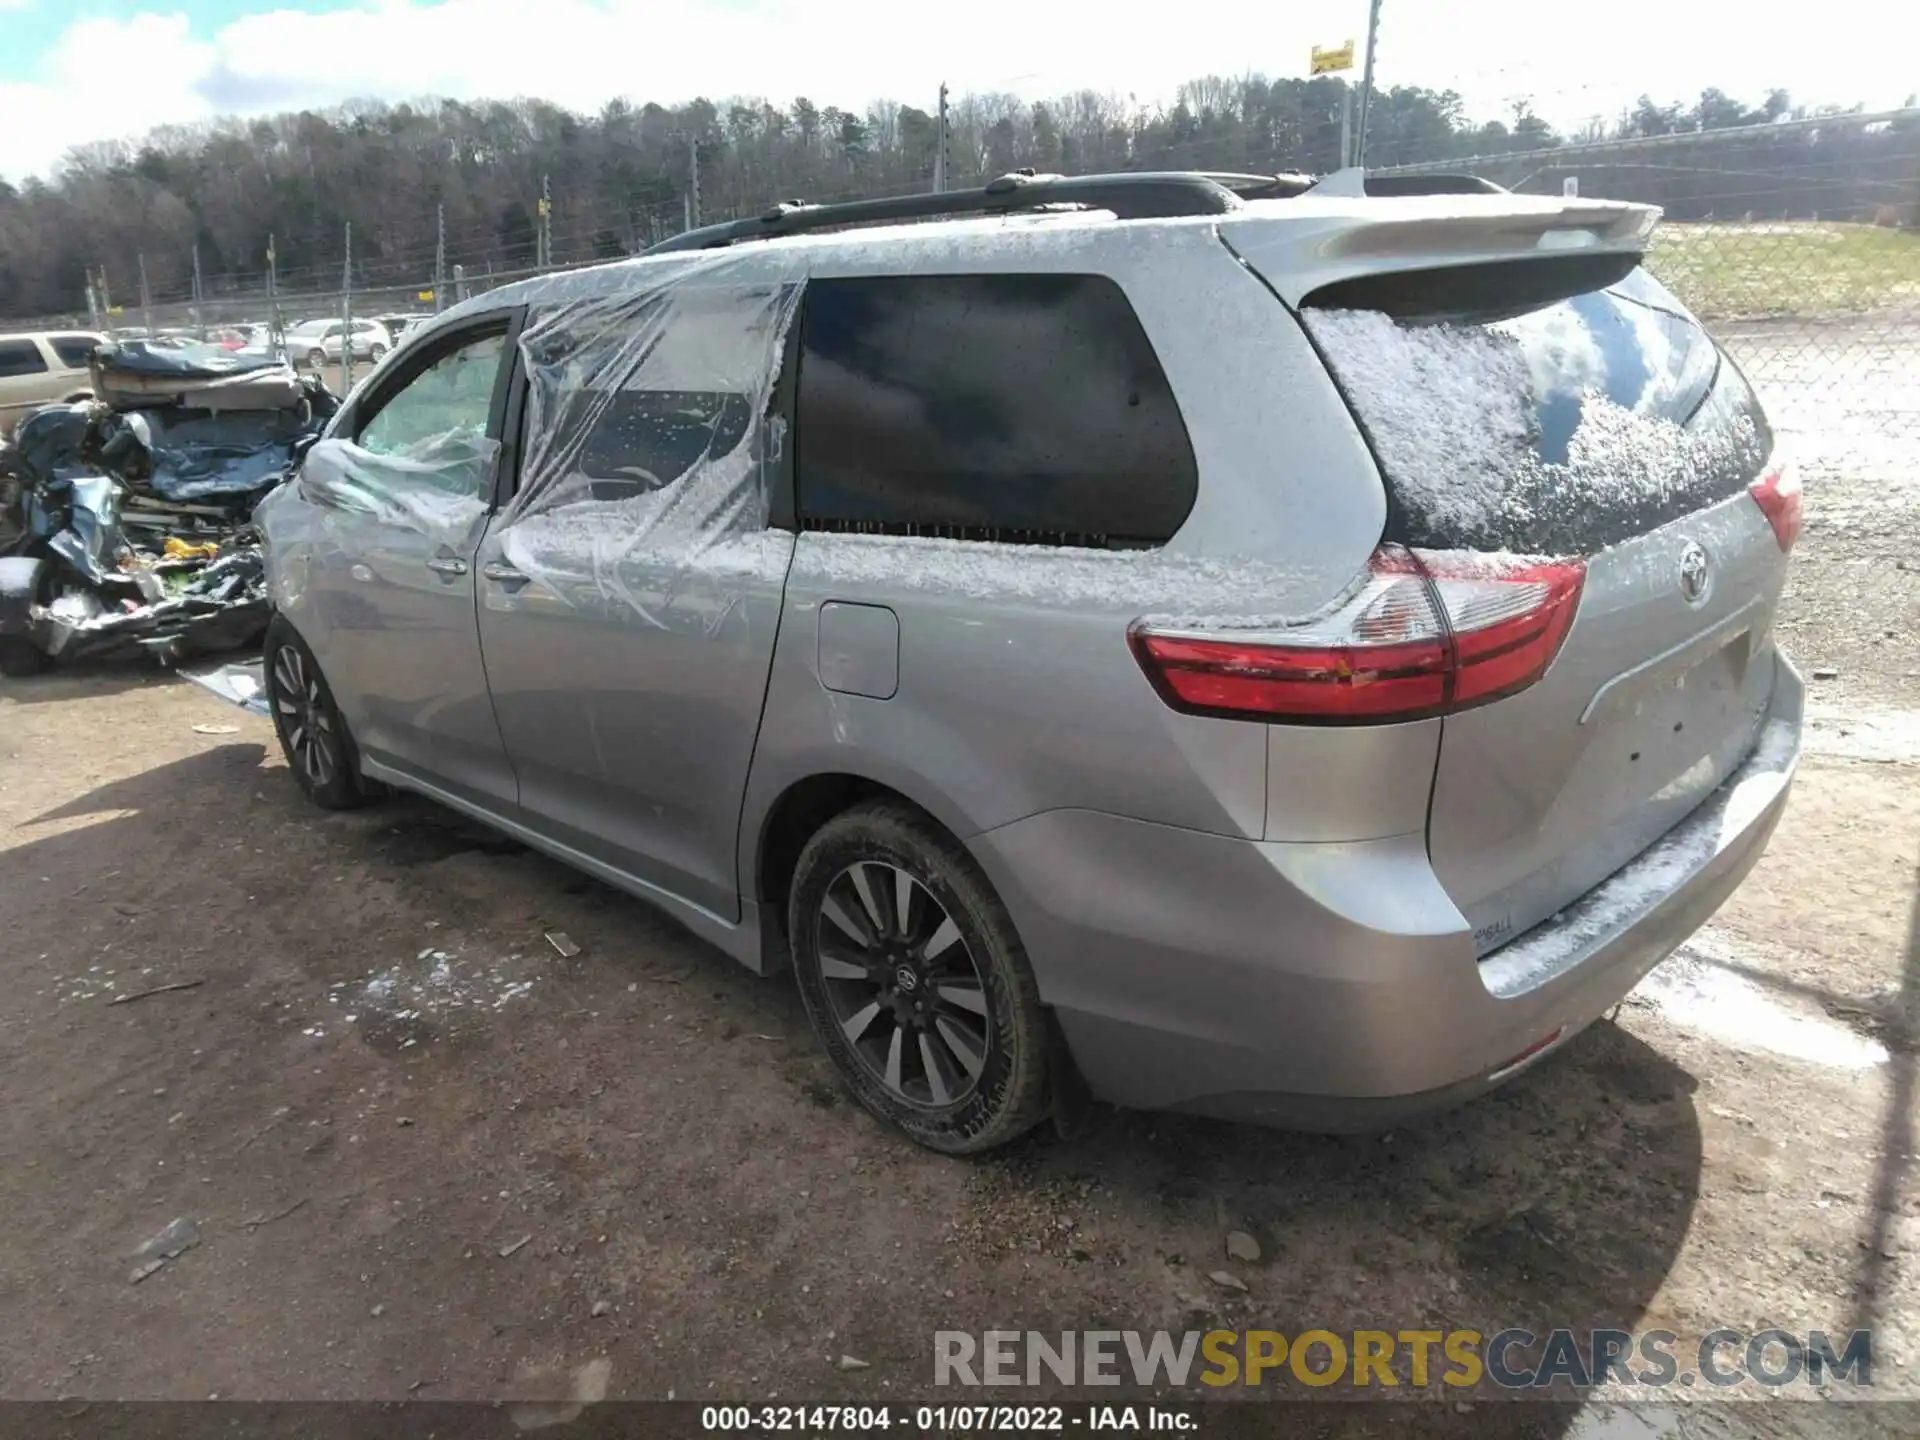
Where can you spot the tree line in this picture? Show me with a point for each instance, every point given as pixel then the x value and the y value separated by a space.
pixel 624 177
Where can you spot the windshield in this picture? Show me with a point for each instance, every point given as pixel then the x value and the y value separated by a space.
pixel 1563 429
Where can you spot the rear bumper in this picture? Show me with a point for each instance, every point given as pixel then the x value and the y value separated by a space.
pixel 1335 986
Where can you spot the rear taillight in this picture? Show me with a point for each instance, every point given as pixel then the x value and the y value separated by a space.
pixel 1778 493
pixel 1427 633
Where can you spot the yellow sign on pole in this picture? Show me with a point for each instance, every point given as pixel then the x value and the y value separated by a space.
pixel 1325 62
pixel 426 294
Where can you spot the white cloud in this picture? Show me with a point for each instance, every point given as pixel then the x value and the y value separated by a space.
pixel 582 52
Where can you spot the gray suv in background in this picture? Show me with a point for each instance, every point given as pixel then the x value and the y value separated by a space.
pixel 1221 644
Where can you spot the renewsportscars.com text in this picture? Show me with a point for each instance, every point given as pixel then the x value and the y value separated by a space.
pixel 1514 1359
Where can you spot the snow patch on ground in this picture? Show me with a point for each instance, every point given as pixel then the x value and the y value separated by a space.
pixel 1701 988
pixel 1864 733
pixel 435 984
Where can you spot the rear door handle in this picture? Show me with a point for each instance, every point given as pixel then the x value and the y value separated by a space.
pixel 504 573
pixel 447 565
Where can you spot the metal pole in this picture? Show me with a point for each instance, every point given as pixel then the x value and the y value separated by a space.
pixel 276 327
pixel 146 300
pixel 106 300
pixel 1346 127
pixel 346 317
pixel 439 257
pixel 940 146
pixel 1366 84
pixel 199 300
pixel 459 283
pixel 545 234
pixel 93 304
pixel 693 196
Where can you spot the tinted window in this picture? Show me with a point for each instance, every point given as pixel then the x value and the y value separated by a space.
pixel 21 357
pixel 74 350
pixel 1551 424
pixel 1002 407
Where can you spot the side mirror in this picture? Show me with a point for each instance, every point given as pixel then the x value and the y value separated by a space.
pixel 302 446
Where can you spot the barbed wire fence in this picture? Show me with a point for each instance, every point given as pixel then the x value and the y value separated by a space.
pixel 1798 242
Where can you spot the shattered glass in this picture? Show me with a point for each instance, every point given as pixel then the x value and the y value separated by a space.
pixel 439 484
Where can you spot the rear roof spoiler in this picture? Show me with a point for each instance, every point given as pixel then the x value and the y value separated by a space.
pixel 1327 236
pixel 1355 181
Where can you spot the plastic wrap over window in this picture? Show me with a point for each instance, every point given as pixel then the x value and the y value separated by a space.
pixel 648 449
pixel 437 485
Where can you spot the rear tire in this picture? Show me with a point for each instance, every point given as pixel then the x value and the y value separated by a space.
pixel 377 353
pixel 932 1016
pixel 313 736
pixel 316 359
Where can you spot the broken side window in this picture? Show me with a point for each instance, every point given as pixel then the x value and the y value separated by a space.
pixel 646 423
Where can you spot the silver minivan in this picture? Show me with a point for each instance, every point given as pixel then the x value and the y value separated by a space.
pixel 1297 658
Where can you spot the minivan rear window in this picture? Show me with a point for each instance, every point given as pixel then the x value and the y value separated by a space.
pixel 1554 425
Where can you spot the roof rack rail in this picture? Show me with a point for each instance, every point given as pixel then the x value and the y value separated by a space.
pixel 1131 195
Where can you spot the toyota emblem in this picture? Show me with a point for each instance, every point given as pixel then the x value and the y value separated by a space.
pixel 1696 573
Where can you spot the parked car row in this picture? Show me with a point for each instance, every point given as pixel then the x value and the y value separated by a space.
pixel 43 368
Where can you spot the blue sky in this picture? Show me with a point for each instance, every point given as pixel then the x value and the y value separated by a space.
pixel 80 71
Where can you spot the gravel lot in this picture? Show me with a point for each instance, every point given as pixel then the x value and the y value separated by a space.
pixel 427 1156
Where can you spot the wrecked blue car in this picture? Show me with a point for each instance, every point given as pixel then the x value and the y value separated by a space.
pixel 124 520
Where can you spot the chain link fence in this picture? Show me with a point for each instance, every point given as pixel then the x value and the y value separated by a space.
pixel 1797 242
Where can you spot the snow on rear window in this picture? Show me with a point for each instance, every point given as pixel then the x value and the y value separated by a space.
pixel 1563 430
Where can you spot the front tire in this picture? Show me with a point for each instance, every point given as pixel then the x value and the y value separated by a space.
pixel 313 736
pixel 916 982
pixel 377 353
pixel 316 359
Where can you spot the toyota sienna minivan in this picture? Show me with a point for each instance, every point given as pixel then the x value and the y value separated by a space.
pixel 1227 645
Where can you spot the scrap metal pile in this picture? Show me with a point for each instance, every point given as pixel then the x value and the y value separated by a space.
pixel 124 520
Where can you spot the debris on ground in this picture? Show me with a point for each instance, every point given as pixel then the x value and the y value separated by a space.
pixel 515 1247
pixel 177 985
pixel 125 520
pixel 1228 1280
pixel 180 1236
pixel 563 943
pixel 254 1222
pixel 1242 1246
pixel 851 1362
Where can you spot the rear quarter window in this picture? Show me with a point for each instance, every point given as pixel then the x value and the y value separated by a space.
pixel 1554 424
pixel 74 350
pixel 21 357
pixel 992 407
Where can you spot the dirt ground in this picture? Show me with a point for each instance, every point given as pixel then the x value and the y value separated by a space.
pixel 425 1155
